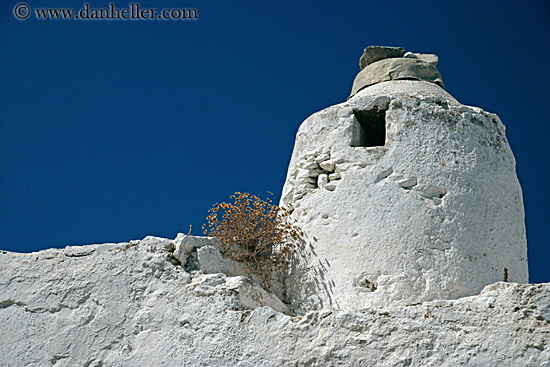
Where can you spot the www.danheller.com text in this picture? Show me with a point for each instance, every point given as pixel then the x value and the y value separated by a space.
pixel 133 11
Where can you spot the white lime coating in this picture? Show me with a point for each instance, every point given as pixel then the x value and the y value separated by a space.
pixel 131 304
pixel 434 213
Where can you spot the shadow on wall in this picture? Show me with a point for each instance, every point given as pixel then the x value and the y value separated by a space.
pixel 307 278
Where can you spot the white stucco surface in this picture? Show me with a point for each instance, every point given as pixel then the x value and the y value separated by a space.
pixel 434 213
pixel 132 304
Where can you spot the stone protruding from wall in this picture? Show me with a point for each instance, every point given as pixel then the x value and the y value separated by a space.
pixel 405 195
pixel 384 63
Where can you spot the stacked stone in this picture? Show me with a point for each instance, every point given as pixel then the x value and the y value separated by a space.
pixel 382 63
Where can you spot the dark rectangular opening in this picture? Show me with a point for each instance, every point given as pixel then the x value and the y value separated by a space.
pixel 372 127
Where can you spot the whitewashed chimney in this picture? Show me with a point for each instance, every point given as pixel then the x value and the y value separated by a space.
pixel 404 193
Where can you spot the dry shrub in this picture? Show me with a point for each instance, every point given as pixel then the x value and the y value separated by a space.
pixel 254 231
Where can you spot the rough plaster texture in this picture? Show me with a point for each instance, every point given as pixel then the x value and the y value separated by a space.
pixel 134 304
pixel 434 213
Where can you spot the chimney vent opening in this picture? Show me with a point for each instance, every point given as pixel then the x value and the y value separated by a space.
pixel 370 129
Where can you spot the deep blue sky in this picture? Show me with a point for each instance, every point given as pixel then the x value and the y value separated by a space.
pixel 114 130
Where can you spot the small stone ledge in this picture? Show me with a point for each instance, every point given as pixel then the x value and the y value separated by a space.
pixel 79 251
pixel 186 245
pixel 247 294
